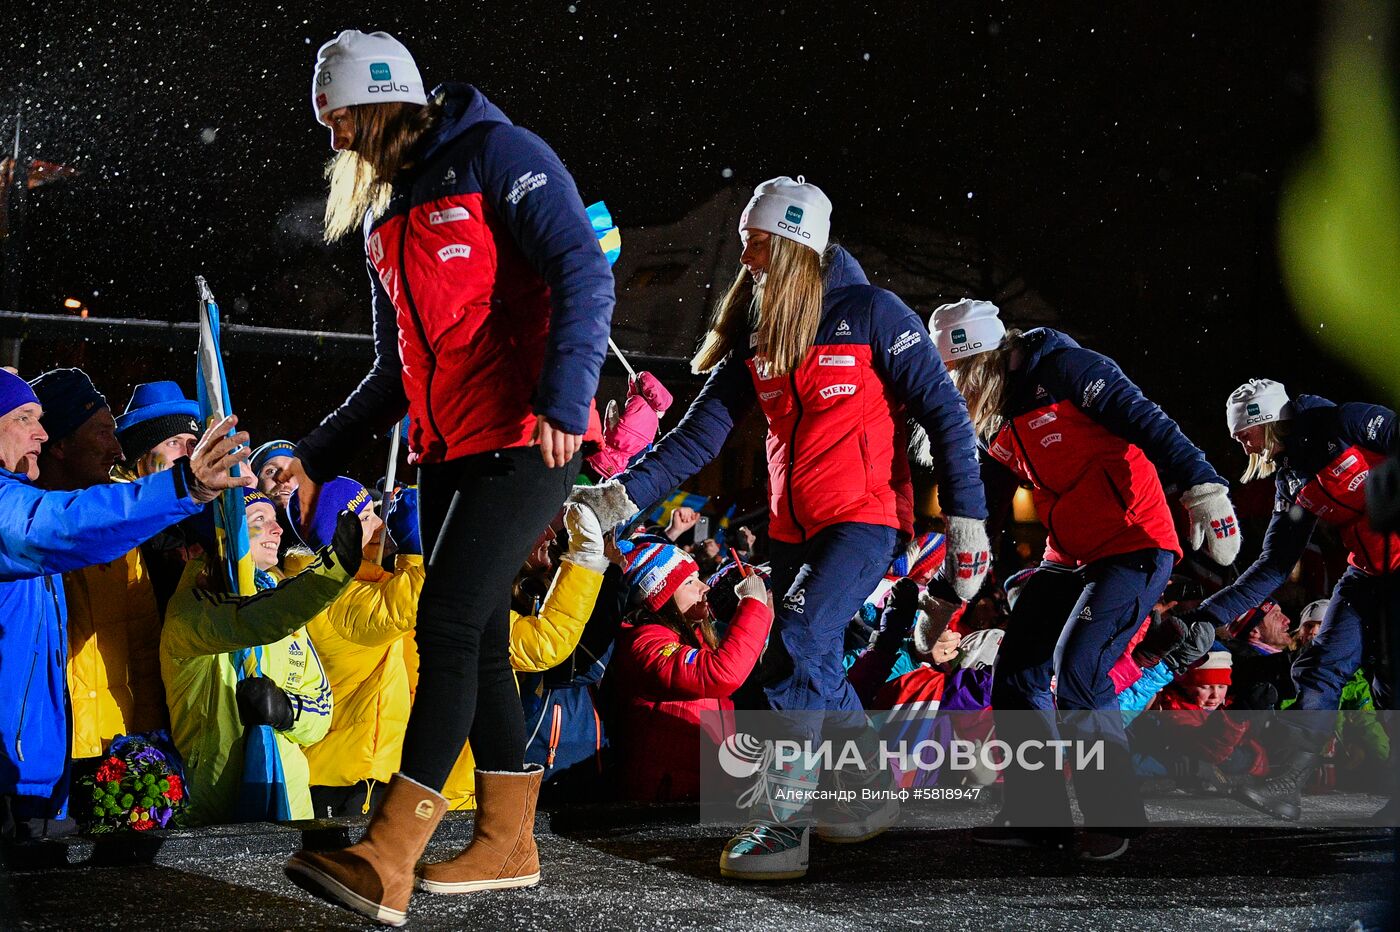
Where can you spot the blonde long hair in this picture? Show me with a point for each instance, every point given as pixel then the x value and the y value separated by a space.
pixel 786 310
pixel 1263 465
pixel 361 177
pixel 982 381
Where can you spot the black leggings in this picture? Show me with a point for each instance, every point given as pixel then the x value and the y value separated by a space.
pixel 479 516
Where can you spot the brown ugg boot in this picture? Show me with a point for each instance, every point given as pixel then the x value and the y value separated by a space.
pixel 374 877
pixel 502 852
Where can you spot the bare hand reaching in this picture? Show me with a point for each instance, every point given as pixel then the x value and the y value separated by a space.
pixel 306 489
pixel 556 446
pixel 216 454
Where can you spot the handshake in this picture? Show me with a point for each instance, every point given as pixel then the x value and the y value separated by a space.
pixel 1177 641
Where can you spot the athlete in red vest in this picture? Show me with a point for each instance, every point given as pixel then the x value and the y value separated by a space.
pixel 837 367
pixel 1319 454
pixel 1068 423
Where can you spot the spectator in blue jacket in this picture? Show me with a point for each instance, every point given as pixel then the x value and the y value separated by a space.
pixel 44 534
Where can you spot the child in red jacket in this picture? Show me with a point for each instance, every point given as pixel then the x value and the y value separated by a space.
pixel 671 666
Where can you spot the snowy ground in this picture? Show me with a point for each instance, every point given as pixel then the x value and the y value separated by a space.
pixel 610 870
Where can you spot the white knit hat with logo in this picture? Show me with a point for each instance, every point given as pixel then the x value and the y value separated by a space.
pixel 791 209
pixel 364 68
pixel 966 328
pixel 1258 401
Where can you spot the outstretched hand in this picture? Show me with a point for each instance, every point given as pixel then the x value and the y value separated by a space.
pixel 306 489
pixel 215 456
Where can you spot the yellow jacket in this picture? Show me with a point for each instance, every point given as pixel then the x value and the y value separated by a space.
pixel 201 631
pixel 365 642
pixel 537 643
pixel 113 653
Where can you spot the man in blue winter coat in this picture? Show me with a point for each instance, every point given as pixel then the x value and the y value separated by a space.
pixel 44 534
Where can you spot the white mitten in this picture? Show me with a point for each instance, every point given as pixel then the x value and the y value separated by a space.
pixel 608 501
pixel 1213 521
pixel 585 537
pixel 969 555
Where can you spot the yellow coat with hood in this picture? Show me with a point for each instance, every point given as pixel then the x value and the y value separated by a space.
pixel 366 645
pixel 114 679
pixel 202 629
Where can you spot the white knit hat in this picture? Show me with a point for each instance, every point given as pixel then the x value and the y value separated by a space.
pixel 359 68
pixel 966 328
pixel 1313 611
pixel 1258 401
pixel 791 209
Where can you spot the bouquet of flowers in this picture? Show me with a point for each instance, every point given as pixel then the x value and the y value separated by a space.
pixel 138 786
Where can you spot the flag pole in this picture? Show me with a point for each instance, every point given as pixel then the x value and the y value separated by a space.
pixel 390 475
pixel 631 373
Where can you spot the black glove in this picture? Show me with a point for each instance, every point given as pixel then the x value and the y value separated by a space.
pixel 897 617
pixel 262 702
pixel 1200 635
pixel 1164 634
pixel 1259 697
pixel 348 543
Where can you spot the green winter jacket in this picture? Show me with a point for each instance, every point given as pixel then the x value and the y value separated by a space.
pixel 201 630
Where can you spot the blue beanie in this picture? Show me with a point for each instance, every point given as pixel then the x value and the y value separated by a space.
pixel 14 392
pixel 340 494
pixel 401 515
pixel 270 449
pixel 69 399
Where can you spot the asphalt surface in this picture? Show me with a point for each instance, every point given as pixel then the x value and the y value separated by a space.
pixel 625 870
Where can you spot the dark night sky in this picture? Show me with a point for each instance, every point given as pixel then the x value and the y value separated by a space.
pixel 1126 160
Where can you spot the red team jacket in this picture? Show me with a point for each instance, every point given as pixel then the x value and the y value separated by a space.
pixel 492 300
pixel 667 685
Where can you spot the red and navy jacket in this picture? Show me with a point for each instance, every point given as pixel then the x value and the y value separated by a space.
pixel 492 300
pixel 1090 446
pixel 836 436
pixel 1328 452
pixel 666 688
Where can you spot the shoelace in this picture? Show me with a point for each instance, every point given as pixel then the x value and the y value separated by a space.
pixel 759 790
pixel 769 836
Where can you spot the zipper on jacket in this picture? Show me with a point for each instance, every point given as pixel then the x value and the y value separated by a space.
pixel 792 455
pixel 554 729
pixel 1035 477
pixel 29 680
pixel 418 326
pixel 1118 496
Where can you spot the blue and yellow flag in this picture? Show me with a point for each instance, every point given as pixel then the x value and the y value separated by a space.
pixel 661 514
pixel 609 236
pixel 230 522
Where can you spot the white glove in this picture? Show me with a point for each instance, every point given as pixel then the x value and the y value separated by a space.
pixel 585 537
pixel 969 555
pixel 752 586
pixel 1213 521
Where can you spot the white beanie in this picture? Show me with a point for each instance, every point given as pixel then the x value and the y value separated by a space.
pixel 359 68
pixel 966 328
pixel 1313 611
pixel 791 209
pixel 1258 401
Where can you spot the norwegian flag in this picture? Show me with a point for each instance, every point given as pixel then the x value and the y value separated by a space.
pixel 973 564
pixel 1224 527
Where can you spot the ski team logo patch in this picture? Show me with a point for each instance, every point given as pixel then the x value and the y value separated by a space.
pixel 843 329
pixel 959 336
pixel 793 215
pixel 450 215
pixel 1251 409
pixel 379 71
pixel 836 360
pixel 667 650
pixel 906 339
pixel 376 249
pixel 769 396
pixel 1051 438
pixel 1047 418
pixel 834 391
pixel 454 251
pixel 525 184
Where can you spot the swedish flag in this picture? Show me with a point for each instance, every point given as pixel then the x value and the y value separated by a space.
pixel 661 513
pixel 230 522
pixel 609 236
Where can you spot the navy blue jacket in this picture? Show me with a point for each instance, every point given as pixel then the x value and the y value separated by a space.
pixel 1319 431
